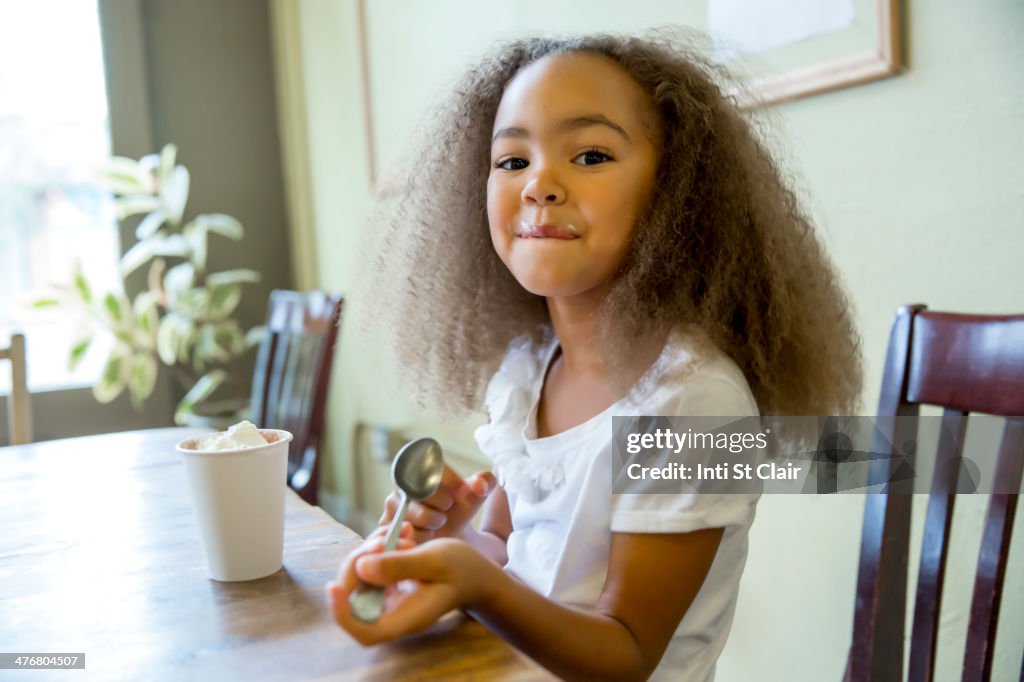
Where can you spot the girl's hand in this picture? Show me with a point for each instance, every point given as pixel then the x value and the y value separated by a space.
pixel 423 584
pixel 374 543
pixel 446 513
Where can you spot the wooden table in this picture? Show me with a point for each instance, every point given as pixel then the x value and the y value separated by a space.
pixel 99 554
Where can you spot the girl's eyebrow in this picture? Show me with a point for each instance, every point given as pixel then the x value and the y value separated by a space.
pixel 574 123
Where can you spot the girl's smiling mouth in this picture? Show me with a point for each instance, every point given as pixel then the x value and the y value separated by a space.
pixel 546 231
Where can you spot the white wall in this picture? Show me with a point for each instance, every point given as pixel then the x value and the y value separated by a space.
pixel 915 181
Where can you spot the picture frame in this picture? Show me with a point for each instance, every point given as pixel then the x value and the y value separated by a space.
pixel 877 56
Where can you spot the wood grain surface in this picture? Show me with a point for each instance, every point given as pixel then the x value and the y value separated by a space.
pixel 99 554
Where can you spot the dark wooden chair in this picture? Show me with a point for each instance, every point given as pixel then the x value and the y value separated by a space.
pixel 293 370
pixel 963 363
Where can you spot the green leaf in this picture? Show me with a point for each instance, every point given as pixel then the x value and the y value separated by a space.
pixel 125 176
pixel 223 300
pixel 223 225
pixel 135 204
pixel 194 303
pixel 121 185
pixel 174 194
pixel 167 157
pixel 81 284
pixel 186 340
pixel 167 338
pixel 195 234
pixel 45 303
pixel 157 245
pixel 229 337
pixel 111 381
pixel 141 378
pixel 202 390
pixel 177 282
pixel 148 165
pixel 137 255
pixel 145 309
pixel 147 318
pixel 207 347
pixel 150 224
pixel 255 336
pixel 78 351
pixel 116 309
pixel 232 277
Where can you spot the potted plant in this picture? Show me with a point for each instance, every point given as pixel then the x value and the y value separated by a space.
pixel 184 317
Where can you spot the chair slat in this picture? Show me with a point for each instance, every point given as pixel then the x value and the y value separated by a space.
pixel 274 386
pixel 877 650
pixel 952 365
pixel 995 550
pixel 298 393
pixel 261 378
pixel 935 546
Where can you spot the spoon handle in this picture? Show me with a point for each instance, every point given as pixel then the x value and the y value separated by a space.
pixel 367 601
pixel 395 530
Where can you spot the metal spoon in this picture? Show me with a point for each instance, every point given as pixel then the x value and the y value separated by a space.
pixel 417 472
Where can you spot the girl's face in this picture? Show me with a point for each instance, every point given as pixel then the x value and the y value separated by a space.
pixel 572 169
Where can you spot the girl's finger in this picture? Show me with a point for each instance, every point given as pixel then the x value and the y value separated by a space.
pixel 450 479
pixel 347 578
pixel 390 505
pixel 482 484
pixel 424 517
pixel 442 500
pixel 346 572
pixel 414 613
pixel 378 534
pixel 421 536
pixel 391 567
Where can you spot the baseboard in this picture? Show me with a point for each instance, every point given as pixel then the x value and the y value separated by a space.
pixel 341 508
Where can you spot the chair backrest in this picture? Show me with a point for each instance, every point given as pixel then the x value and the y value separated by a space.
pixel 19 403
pixel 963 363
pixel 293 369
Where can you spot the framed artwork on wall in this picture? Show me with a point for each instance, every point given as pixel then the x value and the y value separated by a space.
pixel 782 49
pixel 792 49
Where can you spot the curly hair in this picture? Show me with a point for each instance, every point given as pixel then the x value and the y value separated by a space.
pixel 725 247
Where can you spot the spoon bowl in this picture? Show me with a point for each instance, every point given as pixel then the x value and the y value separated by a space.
pixel 418 468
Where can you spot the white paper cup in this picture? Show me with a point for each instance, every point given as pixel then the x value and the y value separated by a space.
pixel 238 500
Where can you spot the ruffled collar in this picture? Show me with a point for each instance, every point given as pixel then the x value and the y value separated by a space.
pixel 513 395
pixel 511 398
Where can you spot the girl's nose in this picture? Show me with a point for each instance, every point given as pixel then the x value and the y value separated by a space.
pixel 543 189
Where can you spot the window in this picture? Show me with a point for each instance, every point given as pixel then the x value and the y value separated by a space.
pixel 54 141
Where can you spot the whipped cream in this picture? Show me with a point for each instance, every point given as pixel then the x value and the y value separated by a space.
pixel 244 434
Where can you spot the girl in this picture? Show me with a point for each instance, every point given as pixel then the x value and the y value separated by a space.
pixel 596 222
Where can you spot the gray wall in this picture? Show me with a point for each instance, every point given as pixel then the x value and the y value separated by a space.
pixel 199 74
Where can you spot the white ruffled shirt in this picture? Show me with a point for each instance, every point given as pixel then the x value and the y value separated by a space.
pixel 560 497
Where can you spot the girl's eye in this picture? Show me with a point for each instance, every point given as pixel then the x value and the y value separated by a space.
pixel 592 157
pixel 511 163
